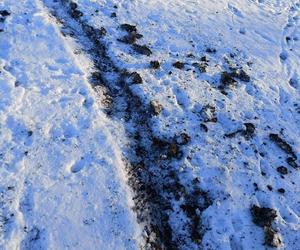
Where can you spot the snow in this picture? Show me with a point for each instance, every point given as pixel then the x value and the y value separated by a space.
pixel 63 175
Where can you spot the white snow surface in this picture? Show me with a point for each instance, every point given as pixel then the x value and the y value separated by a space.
pixel 61 168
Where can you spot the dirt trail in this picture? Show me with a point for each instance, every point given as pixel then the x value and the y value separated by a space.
pixel 154 180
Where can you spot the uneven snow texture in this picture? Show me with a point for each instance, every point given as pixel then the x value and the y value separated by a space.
pixel 62 185
pixel 62 175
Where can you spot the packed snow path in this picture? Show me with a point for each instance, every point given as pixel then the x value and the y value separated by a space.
pixel 196 107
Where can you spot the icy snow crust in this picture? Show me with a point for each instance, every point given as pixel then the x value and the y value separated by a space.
pixel 63 174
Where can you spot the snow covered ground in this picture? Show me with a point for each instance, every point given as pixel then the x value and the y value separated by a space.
pixel 190 141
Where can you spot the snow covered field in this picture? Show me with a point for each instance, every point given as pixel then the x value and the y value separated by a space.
pixel 149 124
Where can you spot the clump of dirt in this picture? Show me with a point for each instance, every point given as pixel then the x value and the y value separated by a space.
pixel 128 27
pixel 75 13
pixel 171 148
pixel 174 150
pixel 211 50
pixel 204 127
pixel 4 13
pixel 193 205
pixel 292 162
pixel 242 75
pixel 283 170
pixel 128 39
pixel 155 107
pixel 131 78
pixel 178 65
pixel 281 190
pixel 136 78
pixel 155 64
pixel 227 81
pixel 249 132
pixel 282 144
pixel 285 147
pixel 132 35
pixel 141 49
pixel 272 237
pixel 263 216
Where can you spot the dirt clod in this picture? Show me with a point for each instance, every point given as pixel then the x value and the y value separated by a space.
pixel 155 64
pixel 136 78
pixel 282 144
pixel 249 132
pixel 173 150
pixel 211 50
pixel 128 27
pixel 128 39
pixel 283 170
pixel 178 65
pixel 4 13
pixel 272 237
pixel 227 80
pixel 142 49
pixel 263 216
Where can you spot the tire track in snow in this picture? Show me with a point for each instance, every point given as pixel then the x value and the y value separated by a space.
pixel 155 182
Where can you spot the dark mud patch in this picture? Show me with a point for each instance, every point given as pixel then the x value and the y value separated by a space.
pixel 151 164
pixel 287 148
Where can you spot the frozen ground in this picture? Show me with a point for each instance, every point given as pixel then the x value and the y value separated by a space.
pixel 189 141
